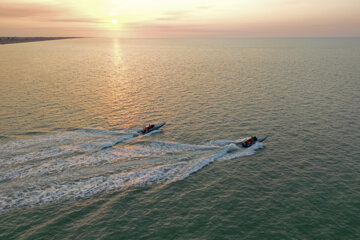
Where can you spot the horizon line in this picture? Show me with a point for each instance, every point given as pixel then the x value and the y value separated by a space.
pixel 278 37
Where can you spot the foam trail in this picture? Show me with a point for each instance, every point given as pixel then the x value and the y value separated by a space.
pixel 117 141
pixel 58 165
pixel 222 142
pixel 219 142
pixel 68 168
pixel 41 195
pixel 197 164
pixel 151 133
pixel 74 138
pixel 43 141
pixel 34 156
pixel 174 147
pixel 65 159
pixel 247 152
pixel 105 132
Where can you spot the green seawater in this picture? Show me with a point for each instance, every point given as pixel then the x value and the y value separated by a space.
pixel 72 165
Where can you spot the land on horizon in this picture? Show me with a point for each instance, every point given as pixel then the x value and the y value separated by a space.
pixel 9 40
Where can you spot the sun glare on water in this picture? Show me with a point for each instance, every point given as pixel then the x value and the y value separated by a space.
pixel 114 21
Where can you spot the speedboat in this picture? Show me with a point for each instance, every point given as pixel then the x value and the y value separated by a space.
pixel 248 142
pixel 151 128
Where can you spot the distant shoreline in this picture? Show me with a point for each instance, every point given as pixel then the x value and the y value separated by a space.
pixel 11 40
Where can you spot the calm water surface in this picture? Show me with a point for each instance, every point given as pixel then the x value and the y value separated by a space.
pixel 72 165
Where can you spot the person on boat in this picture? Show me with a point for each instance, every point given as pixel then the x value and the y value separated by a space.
pixel 250 141
pixel 146 129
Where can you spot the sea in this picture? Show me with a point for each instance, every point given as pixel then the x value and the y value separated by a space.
pixel 73 165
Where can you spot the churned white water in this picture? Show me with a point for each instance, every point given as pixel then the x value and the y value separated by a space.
pixel 78 164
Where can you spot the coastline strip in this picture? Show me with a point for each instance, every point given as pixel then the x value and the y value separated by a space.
pixel 11 40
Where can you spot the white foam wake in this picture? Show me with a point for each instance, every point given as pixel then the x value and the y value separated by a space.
pixel 72 168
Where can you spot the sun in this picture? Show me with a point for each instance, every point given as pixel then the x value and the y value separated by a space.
pixel 114 21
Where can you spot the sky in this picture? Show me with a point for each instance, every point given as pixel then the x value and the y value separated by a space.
pixel 180 18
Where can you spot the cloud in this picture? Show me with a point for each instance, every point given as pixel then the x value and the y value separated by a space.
pixel 205 7
pixel 181 14
pixel 168 30
pixel 42 12
pixel 176 12
pixel 76 20
pixel 168 18
pixel 24 10
pixel 173 15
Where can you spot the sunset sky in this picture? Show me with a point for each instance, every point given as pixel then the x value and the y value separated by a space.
pixel 180 18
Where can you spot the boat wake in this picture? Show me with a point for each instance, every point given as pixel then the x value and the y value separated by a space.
pixel 78 164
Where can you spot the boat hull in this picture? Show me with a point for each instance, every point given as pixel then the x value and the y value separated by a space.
pixel 156 126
